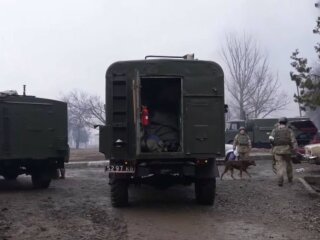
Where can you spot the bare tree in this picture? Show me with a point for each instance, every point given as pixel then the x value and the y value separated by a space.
pixel 253 89
pixel 266 97
pixel 97 110
pixel 84 111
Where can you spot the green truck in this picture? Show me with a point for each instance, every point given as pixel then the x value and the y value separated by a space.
pixel 33 137
pixel 165 125
pixel 259 130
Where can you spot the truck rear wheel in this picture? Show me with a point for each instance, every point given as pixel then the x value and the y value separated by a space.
pixel 205 190
pixel 41 180
pixel 119 193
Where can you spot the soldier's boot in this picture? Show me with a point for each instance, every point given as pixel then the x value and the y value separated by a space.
pixel 280 181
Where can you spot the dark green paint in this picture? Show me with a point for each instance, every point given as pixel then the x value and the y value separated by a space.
pixel 33 132
pixel 260 129
pixel 202 107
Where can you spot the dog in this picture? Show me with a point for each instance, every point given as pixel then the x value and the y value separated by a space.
pixel 241 165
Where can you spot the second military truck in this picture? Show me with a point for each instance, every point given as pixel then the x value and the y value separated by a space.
pixel 259 130
pixel 33 137
pixel 165 125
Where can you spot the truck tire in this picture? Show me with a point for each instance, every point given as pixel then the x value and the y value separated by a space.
pixel 119 193
pixel 205 190
pixel 41 180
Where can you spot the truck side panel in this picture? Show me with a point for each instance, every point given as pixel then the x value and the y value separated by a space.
pixel 203 124
pixel 33 130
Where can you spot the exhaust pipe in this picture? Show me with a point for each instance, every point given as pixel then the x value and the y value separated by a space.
pixel 24 90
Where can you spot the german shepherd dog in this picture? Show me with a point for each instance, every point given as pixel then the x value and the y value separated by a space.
pixel 241 165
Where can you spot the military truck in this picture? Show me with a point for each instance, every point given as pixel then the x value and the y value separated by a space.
pixel 232 128
pixel 33 137
pixel 259 130
pixel 165 125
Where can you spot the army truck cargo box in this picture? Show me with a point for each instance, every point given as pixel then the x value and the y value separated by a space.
pixel 165 125
pixel 33 137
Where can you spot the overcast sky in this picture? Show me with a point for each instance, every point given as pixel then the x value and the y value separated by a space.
pixel 56 46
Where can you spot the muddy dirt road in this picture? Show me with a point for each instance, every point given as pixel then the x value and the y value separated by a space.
pixel 79 208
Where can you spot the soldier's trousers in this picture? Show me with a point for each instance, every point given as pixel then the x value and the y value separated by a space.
pixel 243 155
pixel 283 164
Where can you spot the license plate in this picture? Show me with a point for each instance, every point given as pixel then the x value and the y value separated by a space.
pixel 120 169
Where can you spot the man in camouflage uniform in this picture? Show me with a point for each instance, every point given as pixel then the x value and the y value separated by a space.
pixel 284 142
pixel 242 143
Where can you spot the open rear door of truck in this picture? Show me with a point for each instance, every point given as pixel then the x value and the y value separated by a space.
pixel 136 89
pixel 114 139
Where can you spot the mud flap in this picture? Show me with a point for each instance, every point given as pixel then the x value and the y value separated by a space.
pixel 114 176
pixel 209 170
pixel 216 170
pixel 103 135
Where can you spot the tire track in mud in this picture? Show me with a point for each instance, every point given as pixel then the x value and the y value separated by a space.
pixel 76 208
pixel 4 224
pixel 87 221
pixel 84 213
pixel 80 208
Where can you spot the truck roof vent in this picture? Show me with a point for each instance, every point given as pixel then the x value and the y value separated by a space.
pixel 186 57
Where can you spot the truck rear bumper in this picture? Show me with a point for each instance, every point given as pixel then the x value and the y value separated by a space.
pixel 179 169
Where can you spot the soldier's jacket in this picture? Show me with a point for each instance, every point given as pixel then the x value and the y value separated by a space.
pixel 242 142
pixel 284 140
